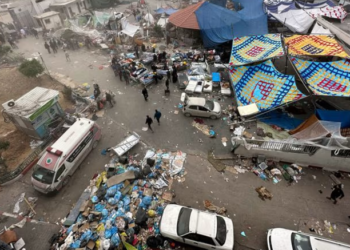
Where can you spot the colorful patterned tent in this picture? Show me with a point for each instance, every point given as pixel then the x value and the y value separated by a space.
pixel 264 85
pixel 336 12
pixel 314 45
pixel 325 78
pixel 249 49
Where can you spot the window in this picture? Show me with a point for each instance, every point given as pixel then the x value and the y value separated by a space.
pixel 59 172
pixel 301 242
pixel 209 104
pixel 193 107
pixel 80 148
pixel 183 223
pixel 202 108
pixel 200 238
pixel 43 175
pixel 47 21
pixel 220 230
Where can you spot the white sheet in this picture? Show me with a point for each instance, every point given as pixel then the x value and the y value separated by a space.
pixel 208 89
pixel 225 91
pixel 191 86
pixel 248 109
pixel 296 20
pixel 319 30
pixel 128 28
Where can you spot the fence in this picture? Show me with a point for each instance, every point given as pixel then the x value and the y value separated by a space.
pixel 33 156
pixel 281 146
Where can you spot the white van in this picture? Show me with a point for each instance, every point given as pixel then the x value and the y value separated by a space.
pixel 59 162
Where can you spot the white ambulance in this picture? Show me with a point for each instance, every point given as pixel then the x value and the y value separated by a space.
pixel 60 160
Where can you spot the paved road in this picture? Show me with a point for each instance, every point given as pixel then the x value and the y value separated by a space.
pixel 292 207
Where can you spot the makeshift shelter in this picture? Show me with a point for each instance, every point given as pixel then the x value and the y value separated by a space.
pixel 219 25
pixel 314 45
pixel 307 5
pixel 263 85
pixel 342 116
pixel 249 49
pixel 280 119
pixel 325 78
pixel 167 11
pixel 149 18
pixel 336 12
pixel 128 28
pixel 297 21
pixel 339 33
pixel 186 18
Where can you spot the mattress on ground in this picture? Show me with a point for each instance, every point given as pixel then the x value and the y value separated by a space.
pixel 191 86
pixel 208 87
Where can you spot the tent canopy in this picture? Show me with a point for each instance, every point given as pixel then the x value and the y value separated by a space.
pixel 219 25
pixel 336 12
pixel 186 18
pixel 314 45
pixel 297 21
pixel 280 119
pixel 319 30
pixel 306 5
pixel 167 11
pixel 249 49
pixel 325 78
pixel 264 85
pixel 342 116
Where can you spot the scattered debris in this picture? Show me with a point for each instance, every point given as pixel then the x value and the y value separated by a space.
pixel 210 206
pixel 263 193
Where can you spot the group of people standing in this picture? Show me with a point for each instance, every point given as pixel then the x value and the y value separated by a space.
pixel 121 70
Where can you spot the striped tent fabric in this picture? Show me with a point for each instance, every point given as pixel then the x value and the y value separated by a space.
pixel 249 49
pixel 325 78
pixel 337 12
pixel 264 85
pixel 314 45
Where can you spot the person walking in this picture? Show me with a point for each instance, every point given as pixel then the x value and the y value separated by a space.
pixel 145 93
pixel 157 116
pixel 155 77
pixel 47 46
pixel 109 99
pixel 134 13
pixel 149 121
pixel 53 46
pixel 168 75
pixel 126 75
pixel 67 55
pixel 336 193
pixel 174 74
pixel 137 51
pixel 167 84
pixel 12 43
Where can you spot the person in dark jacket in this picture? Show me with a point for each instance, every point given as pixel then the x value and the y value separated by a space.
pixel 149 121
pixel 174 74
pixel 336 193
pixel 167 84
pixel 47 46
pixel 157 116
pixel 109 99
pixel 145 93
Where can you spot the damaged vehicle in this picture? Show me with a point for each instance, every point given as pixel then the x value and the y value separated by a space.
pixel 197 228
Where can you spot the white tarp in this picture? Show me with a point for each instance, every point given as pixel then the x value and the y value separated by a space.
pixel 296 20
pixel 149 18
pixel 101 17
pixel 162 22
pixel 128 28
pixel 336 12
pixel 319 30
pixel 339 33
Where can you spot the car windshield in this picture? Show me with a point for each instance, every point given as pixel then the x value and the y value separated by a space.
pixel 43 175
pixel 220 230
pixel 301 242
pixel 209 104
pixel 183 223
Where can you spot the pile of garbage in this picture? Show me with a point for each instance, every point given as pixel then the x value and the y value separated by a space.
pixel 124 204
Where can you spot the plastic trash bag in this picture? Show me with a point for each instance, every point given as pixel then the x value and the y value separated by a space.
pixel 99 207
pixel 151 213
pixel 118 195
pixel 126 200
pixel 104 213
pixel 147 200
pixel 106 244
pixel 120 204
pixel 115 240
pixel 86 235
pixel 75 244
pixel 108 233
pixel 112 201
pixel 94 199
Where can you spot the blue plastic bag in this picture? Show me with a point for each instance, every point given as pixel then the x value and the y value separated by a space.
pixel 75 244
pixel 99 207
pixel 147 200
pixel 108 233
pixel 86 235
pixel 112 201
pixel 94 199
pixel 115 240
pixel 117 195
pixel 120 204
pixel 120 213
pixel 160 210
pixel 104 213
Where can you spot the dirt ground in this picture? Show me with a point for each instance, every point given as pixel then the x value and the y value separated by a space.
pixel 13 85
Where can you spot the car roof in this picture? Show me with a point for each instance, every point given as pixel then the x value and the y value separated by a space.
pixel 203 223
pixel 329 244
pixel 196 101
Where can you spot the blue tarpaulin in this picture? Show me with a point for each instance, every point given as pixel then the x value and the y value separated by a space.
pixel 219 25
pixel 342 116
pixel 281 120
pixel 167 11
pixel 221 3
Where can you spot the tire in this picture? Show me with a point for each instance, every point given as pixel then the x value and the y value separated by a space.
pixel 213 117
pixel 187 114
pixel 94 145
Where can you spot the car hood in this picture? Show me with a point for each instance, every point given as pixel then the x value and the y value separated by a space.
pixel 229 243
pixel 280 239
pixel 168 223
pixel 217 107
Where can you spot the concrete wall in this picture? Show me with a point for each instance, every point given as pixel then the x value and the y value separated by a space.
pixel 74 8
pixel 322 158
pixel 55 22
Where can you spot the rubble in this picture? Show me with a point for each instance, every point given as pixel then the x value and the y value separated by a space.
pixel 123 207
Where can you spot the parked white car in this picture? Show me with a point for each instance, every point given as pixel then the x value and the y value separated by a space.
pixel 284 239
pixel 199 106
pixel 197 228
